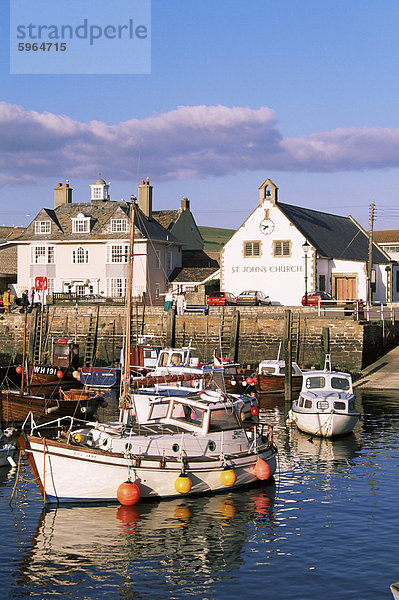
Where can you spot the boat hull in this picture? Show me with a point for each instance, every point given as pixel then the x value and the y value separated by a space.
pixel 274 384
pixel 328 424
pixel 15 406
pixel 70 474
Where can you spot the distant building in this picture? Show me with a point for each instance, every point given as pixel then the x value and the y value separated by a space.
pixel 83 247
pixel 181 223
pixel 266 253
pixel 8 256
pixel 389 241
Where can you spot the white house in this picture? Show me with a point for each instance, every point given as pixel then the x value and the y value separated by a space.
pixel 266 253
pixel 83 247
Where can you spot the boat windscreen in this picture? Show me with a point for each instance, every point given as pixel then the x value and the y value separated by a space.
pixel 315 383
pixel 340 383
pixel 222 419
pixel 188 414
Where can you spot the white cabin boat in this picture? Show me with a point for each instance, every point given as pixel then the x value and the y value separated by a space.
pixel 163 445
pixel 326 404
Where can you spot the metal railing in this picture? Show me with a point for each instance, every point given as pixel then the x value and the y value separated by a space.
pixel 359 310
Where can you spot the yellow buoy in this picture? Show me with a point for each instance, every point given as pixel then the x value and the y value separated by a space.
pixel 78 437
pixel 183 484
pixel 228 476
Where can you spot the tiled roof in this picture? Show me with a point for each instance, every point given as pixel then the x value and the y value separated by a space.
pixel 333 236
pixel 191 275
pixel 389 236
pixel 100 214
pixel 167 218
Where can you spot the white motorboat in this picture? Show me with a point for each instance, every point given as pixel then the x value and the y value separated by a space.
pixel 162 446
pixel 326 404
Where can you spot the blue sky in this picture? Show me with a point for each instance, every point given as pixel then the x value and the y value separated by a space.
pixel 302 92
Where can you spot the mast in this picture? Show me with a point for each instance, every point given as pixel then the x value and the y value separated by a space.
pixel 129 291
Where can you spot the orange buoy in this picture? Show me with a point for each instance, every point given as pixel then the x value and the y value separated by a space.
pixel 19 369
pixel 262 469
pixel 60 374
pixel 183 484
pixel 228 476
pixel 128 493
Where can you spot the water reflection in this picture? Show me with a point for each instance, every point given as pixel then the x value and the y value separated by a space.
pixel 167 544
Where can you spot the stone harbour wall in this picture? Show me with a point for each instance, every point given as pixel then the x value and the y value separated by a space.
pixel 257 335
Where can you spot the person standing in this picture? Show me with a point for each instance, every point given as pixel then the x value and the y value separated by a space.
pixel 7 300
pixel 168 300
pixel 25 301
pixel 181 303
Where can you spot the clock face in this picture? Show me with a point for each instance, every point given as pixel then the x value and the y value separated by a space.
pixel 266 226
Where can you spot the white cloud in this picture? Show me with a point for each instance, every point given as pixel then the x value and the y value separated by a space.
pixel 188 142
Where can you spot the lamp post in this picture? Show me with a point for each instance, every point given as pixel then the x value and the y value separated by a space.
pixel 306 248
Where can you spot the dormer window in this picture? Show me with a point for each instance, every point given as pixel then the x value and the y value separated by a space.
pixel 118 225
pixel 42 226
pixel 80 224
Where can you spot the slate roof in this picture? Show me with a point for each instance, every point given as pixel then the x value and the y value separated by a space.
pixel 191 274
pixel 333 236
pixel 100 214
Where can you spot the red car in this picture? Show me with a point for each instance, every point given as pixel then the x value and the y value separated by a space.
pixel 316 298
pixel 221 299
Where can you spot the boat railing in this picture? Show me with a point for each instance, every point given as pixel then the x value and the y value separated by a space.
pixel 61 423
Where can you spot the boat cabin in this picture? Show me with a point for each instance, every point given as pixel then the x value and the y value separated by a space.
pixel 277 367
pixel 65 354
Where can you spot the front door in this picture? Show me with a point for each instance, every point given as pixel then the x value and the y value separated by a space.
pixel 345 287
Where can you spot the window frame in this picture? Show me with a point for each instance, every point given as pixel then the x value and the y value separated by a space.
pixel 282 254
pixel 42 227
pixel 113 254
pixel 46 251
pixel 119 225
pixel 251 244
pixel 75 256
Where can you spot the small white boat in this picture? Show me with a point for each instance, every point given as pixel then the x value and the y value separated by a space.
pixel 162 446
pixel 326 404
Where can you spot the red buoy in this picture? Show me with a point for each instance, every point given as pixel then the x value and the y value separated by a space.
pixel 249 381
pixel 262 469
pixel 128 493
pixel 19 369
pixel 60 374
pixel 254 411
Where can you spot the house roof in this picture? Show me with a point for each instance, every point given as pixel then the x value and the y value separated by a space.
pixel 167 218
pixel 100 214
pixel 389 236
pixel 192 274
pixel 333 236
pixel 10 233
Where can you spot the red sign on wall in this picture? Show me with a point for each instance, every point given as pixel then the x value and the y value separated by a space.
pixel 41 283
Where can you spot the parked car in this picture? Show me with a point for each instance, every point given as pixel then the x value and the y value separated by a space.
pixel 316 298
pixel 221 299
pixel 253 298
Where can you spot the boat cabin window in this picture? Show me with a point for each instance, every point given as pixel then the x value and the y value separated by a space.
pixel 222 419
pixel 218 381
pixel 301 401
pixel 315 383
pixel 268 370
pixel 163 359
pixel 159 410
pixel 188 414
pixel 340 383
pixel 339 405
pixel 308 403
pixel 176 359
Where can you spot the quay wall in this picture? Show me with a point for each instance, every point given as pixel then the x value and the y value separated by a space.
pixel 256 334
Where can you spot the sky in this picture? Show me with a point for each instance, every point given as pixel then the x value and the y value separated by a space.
pixel 305 93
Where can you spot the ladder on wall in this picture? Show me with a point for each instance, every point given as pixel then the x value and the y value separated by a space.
pixel 91 339
pixel 38 336
pixel 137 322
pixel 228 334
pixel 295 327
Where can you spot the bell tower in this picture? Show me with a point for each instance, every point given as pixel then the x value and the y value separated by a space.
pixel 268 191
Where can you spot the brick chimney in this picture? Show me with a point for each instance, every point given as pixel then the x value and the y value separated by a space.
pixel 145 198
pixel 185 204
pixel 62 194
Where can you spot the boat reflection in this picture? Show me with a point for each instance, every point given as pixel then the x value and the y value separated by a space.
pixel 203 535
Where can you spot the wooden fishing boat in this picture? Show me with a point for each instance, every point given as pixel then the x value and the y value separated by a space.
pixel 16 405
pixel 326 404
pixel 270 377
pixel 161 447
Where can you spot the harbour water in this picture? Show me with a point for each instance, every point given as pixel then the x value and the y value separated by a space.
pixel 327 528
